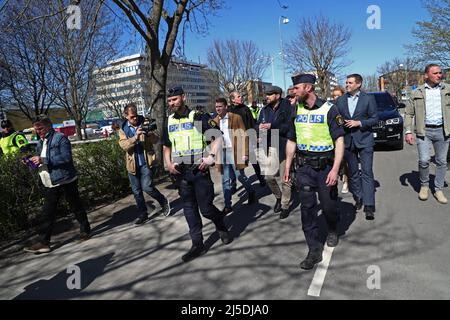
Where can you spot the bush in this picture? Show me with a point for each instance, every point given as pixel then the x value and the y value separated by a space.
pixel 102 177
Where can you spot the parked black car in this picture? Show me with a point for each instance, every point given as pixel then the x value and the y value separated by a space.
pixel 389 129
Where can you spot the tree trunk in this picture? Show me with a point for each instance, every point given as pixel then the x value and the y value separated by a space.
pixel 78 129
pixel 158 105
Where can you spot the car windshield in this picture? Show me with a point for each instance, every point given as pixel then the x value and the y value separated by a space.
pixel 384 102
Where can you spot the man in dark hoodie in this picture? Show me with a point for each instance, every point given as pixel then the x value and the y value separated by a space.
pixel 236 106
pixel 140 156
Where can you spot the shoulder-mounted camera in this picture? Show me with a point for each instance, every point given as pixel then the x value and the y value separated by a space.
pixel 149 124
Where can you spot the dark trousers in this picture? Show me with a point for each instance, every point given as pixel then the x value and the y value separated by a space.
pixel 197 192
pixel 52 196
pixel 141 182
pixel 310 181
pixel 362 184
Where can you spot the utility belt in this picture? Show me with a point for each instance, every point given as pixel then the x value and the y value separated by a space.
pixel 317 162
pixel 185 168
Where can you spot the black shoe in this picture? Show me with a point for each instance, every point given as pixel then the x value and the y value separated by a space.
pixel 313 257
pixel 141 220
pixel 277 207
pixel 225 236
pixel 226 211
pixel 84 236
pixel 358 204
pixel 370 212
pixel 252 198
pixel 284 213
pixel 332 239
pixel 194 252
pixel 165 209
pixel 233 188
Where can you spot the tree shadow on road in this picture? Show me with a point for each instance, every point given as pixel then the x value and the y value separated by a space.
pixel 411 179
pixel 57 287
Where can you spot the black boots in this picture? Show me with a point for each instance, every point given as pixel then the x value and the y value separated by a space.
pixel 284 213
pixel 277 207
pixel 314 256
pixel 370 212
pixel 195 252
pixel 332 239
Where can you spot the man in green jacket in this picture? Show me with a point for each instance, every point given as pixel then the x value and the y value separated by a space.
pixel 430 108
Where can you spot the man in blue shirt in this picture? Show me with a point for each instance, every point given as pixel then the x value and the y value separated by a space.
pixel 359 110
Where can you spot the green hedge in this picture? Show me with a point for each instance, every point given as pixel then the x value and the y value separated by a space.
pixel 102 178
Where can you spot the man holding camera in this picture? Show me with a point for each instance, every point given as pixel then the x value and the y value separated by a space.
pixel 187 160
pixel 137 137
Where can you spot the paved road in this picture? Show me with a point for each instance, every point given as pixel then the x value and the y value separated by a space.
pixel 407 246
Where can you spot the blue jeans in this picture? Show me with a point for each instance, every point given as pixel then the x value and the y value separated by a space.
pixel 142 182
pixel 433 137
pixel 229 169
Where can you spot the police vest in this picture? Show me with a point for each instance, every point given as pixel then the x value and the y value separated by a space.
pixel 255 112
pixel 311 129
pixel 12 143
pixel 185 138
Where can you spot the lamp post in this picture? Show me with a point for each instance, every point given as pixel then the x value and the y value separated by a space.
pixel 401 66
pixel 282 20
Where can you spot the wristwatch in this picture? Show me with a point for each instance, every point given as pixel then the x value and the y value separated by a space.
pixel 213 155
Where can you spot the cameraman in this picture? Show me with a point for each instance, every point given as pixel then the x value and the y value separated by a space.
pixel 140 156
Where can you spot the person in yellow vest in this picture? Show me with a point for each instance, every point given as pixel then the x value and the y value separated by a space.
pixel 11 141
pixel 317 136
pixel 254 110
pixel 184 147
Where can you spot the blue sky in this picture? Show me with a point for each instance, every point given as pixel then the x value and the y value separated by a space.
pixel 257 20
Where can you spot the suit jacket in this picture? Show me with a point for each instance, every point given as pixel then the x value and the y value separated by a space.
pixel 238 138
pixel 366 112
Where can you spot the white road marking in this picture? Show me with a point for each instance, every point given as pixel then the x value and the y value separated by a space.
pixel 321 271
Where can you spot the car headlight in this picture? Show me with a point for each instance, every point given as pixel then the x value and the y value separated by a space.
pixel 393 121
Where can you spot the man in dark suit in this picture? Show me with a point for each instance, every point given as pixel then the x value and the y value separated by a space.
pixel 359 110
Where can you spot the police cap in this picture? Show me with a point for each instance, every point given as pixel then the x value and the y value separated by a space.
pixel 273 90
pixel 304 78
pixel 175 91
pixel 6 124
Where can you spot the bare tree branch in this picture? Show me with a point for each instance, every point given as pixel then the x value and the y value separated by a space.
pixel 433 36
pixel 237 63
pixel 320 47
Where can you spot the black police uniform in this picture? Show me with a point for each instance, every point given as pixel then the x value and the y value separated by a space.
pixel 311 175
pixel 196 188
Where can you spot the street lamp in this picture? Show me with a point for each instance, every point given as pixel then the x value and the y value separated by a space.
pixel 406 78
pixel 282 20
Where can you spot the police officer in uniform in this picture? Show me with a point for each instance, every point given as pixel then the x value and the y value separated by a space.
pixel 186 159
pixel 316 135
pixel 254 109
pixel 11 141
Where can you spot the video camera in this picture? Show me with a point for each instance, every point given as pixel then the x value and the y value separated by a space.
pixel 149 124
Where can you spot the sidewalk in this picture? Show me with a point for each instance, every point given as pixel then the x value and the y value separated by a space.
pixel 132 254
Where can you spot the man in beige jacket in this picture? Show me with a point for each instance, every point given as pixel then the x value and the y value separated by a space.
pixel 429 107
pixel 234 153
pixel 140 157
